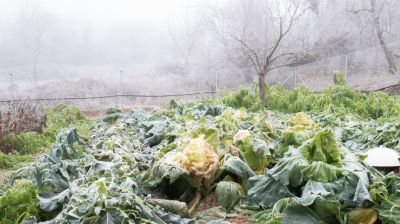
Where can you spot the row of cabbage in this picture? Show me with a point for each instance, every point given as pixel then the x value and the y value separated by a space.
pixel 156 166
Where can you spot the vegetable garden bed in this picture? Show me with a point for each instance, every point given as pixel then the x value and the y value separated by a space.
pixel 210 163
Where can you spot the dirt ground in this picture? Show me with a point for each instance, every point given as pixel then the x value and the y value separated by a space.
pixel 205 203
pixel 210 201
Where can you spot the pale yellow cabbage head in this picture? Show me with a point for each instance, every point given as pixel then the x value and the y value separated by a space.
pixel 198 157
pixel 301 119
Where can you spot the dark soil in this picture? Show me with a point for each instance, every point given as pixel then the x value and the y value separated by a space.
pixel 386 170
pixel 239 219
pixel 207 202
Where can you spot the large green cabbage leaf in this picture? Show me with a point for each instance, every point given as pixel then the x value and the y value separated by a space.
pixel 319 176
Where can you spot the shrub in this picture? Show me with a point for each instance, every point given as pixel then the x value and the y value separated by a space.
pixel 15 146
pixel 339 100
pixel 64 116
pixel 243 98
pixel 19 118
pixel 338 78
pixel 13 160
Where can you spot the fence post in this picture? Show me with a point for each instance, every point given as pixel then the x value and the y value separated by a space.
pixel 85 89
pixel 295 77
pixel 121 89
pixel 12 87
pixel 345 66
pixel 216 81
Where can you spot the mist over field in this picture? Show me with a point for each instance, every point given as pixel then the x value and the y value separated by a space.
pixel 52 46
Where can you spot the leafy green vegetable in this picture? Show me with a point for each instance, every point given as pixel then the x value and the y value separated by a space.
pixel 266 191
pixel 340 101
pixel 198 157
pixel 338 79
pixel 386 195
pixel 255 151
pixel 19 203
pixel 323 147
pixel 157 167
pixel 327 178
pixel 300 128
pixel 243 98
pixel 228 194
pixel 64 116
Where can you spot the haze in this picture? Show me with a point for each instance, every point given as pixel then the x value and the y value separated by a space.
pixel 165 46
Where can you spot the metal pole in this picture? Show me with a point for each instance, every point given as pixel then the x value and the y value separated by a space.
pixel 120 88
pixel 85 92
pixel 345 66
pixel 295 76
pixel 216 81
pixel 12 87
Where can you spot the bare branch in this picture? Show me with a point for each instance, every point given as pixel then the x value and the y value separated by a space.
pixel 281 55
pixel 293 62
pixel 280 66
pixel 253 53
pixel 293 18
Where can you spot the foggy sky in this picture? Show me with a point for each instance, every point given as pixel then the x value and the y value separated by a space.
pixel 76 32
pixel 99 36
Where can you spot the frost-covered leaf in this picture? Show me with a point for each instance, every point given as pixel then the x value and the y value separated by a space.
pixel 108 219
pixel 239 168
pixel 212 214
pixel 228 194
pixel 174 206
pixel 265 190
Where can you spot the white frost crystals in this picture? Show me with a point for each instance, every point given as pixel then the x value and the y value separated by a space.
pixel 241 135
pixel 382 157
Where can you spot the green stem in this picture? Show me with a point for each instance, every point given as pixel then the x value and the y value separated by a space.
pixel 391 203
pixel 196 202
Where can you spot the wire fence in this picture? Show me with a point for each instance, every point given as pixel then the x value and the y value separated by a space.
pixel 364 70
pixel 119 100
pixel 124 89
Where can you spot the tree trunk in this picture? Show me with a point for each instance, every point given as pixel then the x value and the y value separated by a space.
pixel 388 54
pixel 35 63
pixel 379 33
pixel 261 87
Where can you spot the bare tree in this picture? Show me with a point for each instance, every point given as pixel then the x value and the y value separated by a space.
pixel 34 24
pixel 184 32
pixel 37 42
pixel 260 33
pixel 375 11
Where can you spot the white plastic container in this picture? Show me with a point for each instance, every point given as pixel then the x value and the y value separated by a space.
pixel 382 157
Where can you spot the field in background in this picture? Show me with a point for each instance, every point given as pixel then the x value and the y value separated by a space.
pixel 99 88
